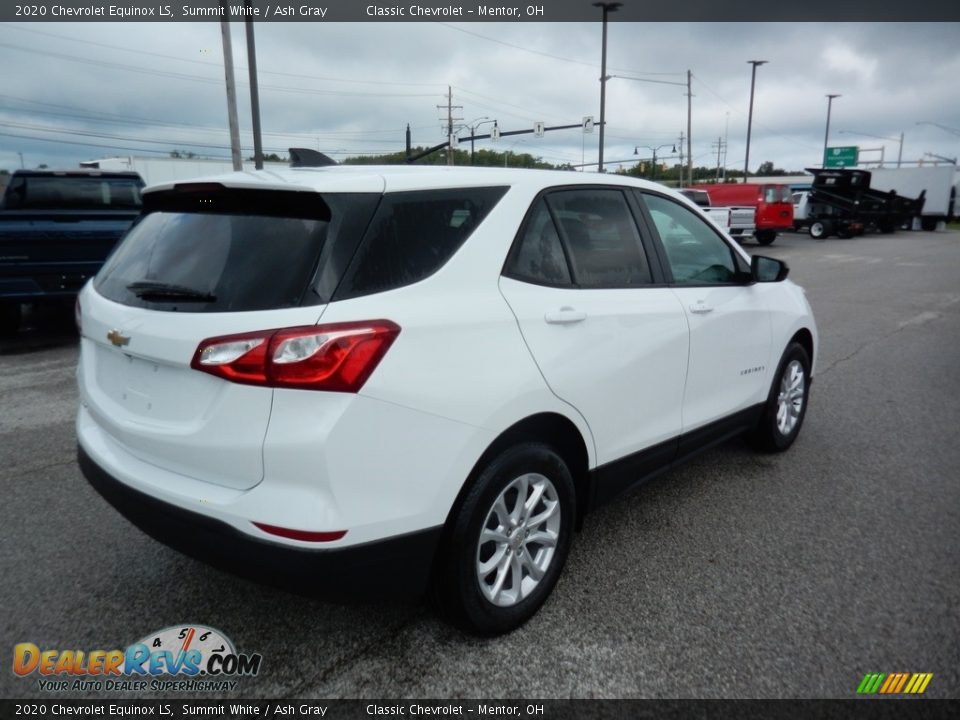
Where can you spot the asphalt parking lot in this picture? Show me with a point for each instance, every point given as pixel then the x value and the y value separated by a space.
pixel 739 575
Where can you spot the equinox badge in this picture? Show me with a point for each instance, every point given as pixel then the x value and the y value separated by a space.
pixel 118 338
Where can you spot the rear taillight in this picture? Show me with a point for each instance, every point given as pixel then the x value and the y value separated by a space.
pixel 338 357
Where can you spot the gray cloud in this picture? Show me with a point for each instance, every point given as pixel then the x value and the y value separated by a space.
pixel 354 87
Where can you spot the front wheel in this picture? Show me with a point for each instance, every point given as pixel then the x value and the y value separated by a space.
pixel 508 541
pixel 766 237
pixel 786 404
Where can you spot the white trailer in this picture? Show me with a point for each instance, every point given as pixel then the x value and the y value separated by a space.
pixel 156 170
pixel 939 182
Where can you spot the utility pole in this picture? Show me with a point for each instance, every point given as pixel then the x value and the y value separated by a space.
pixel 231 87
pixel 719 145
pixel 726 137
pixel 689 130
pixel 753 82
pixel 254 90
pixel 21 159
pixel 607 7
pixel 450 108
pixel 408 142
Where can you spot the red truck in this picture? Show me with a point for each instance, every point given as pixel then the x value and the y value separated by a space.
pixel 773 203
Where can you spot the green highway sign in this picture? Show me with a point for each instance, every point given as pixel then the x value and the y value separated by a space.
pixel 839 157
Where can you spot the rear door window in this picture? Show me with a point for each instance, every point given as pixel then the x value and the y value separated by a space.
pixel 412 235
pixel 601 238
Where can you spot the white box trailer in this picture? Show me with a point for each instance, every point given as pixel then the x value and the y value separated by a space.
pixel 939 182
pixel 156 170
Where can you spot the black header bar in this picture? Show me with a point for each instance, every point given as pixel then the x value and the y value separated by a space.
pixel 472 11
pixel 176 708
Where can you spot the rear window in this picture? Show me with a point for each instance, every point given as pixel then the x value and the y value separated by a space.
pixel 72 192
pixel 233 251
pixel 413 234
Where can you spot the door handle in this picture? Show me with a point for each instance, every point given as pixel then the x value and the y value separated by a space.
pixel 565 316
pixel 700 308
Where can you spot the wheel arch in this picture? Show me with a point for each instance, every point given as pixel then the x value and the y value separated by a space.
pixel 804 338
pixel 551 428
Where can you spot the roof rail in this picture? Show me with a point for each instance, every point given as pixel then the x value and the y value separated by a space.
pixel 305 157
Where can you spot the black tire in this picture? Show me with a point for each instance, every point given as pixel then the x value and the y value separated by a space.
pixel 929 224
pixel 766 237
pixel 768 434
pixel 10 314
pixel 820 229
pixel 456 583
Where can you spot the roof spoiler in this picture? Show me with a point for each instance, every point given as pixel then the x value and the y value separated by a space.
pixel 305 157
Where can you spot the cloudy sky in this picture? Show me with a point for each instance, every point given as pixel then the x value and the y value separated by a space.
pixel 86 90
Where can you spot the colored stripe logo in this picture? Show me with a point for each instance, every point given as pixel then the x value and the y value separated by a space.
pixel 894 683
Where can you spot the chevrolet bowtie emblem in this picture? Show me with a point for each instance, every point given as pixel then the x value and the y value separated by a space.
pixel 118 338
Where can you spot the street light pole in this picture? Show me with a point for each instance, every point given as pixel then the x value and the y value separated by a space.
pixel 753 82
pixel 653 173
pixel 473 125
pixel 826 134
pixel 607 7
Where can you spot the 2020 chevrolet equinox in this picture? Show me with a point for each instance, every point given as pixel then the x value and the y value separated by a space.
pixel 370 379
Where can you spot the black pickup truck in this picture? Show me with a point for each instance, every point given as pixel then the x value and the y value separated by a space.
pixel 56 229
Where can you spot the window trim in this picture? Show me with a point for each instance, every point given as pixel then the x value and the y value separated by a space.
pixel 745 278
pixel 647 246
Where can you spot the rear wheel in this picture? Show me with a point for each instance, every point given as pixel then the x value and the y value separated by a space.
pixel 507 542
pixel 820 229
pixel 786 404
pixel 9 317
pixel 928 223
pixel 766 237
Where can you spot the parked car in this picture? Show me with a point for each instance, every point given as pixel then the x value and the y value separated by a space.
pixel 772 204
pixel 387 380
pixel 735 221
pixel 56 229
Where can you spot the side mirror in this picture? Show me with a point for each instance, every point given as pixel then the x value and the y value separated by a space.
pixel 768 269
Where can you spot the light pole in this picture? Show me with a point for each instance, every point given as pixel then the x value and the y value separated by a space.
pixel 753 82
pixel 636 151
pixel 826 134
pixel 879 137
pixel 608 7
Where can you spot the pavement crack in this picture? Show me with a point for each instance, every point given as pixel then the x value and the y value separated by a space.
pixel 921 319
pixel 41 468
pixel 349 659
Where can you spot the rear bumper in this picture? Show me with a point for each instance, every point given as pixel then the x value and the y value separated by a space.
pixel 398 566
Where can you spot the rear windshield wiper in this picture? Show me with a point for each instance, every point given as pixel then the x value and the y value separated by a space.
pixel 147 290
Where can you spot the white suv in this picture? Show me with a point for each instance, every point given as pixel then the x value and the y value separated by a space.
pixel 362 380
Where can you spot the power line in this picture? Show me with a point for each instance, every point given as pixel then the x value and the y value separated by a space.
pixel 100 116
pixel 545 54
pixel 209 81
pixel 218 66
